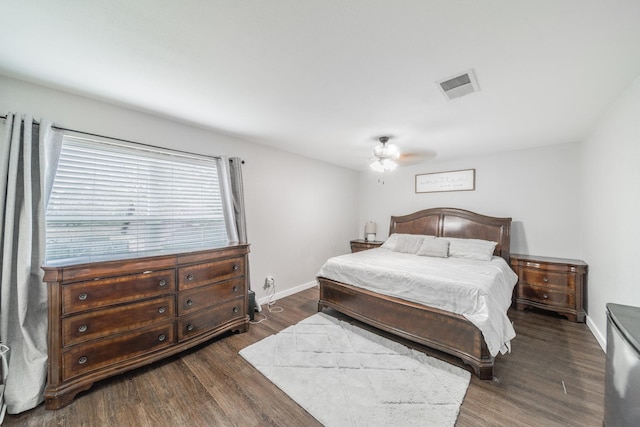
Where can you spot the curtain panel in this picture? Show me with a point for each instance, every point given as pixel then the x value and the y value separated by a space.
pixel 27 161
pixel 232 193
pixel 224 179
pixel 237 191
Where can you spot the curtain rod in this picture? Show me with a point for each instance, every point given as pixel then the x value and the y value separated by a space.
pixel 123 140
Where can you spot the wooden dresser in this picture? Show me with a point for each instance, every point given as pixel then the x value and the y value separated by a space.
pixel 362 245
pixel 106 318
pixel 554 284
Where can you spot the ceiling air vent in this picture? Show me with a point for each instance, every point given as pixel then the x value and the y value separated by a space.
pixel 460 85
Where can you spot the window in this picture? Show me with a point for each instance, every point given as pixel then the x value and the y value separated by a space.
pixel 115 200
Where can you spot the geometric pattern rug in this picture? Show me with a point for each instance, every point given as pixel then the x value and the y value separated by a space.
pixel 346 376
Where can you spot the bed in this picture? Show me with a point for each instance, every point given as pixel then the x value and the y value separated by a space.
pixel 437 328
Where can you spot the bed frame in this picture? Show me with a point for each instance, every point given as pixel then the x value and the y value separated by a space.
pixel 438 329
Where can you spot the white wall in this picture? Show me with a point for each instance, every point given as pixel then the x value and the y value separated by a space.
pixel 537 188
pixel 299 211
pixel 610 206
pixel 577 200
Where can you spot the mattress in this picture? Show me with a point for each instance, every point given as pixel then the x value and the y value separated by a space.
pixel 480 291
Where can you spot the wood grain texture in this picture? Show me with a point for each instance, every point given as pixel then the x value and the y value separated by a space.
pixel 212 385
pixel 438 329
pixel 114 322
pixel 554 284
pixel 363 245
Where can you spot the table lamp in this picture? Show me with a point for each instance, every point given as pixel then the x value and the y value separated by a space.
pixel 370 231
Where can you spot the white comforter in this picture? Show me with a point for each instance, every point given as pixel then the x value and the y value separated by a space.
pixel 478 290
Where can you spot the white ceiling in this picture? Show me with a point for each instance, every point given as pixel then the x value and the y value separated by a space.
pixel 325 78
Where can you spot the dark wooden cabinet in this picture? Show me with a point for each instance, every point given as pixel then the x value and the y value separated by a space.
pixel 554 284
pixel 106 318
pixel 362 245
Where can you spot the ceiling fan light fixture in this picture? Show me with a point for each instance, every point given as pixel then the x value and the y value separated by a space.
pixel 383 165
pixel 386 151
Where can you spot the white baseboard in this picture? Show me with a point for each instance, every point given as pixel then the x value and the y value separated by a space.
pixel 287 292
pixel 597 334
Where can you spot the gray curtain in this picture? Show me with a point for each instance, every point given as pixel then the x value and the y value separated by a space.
pixel 23 298
pixel 226 193
pixel 232 193
pixel 237 191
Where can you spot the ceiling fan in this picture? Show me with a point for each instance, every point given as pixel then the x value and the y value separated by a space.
pixel 387 156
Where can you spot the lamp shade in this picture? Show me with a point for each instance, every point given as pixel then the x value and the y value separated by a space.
pixel 370 227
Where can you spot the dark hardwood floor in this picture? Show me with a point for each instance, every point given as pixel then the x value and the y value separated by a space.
pixel 212 386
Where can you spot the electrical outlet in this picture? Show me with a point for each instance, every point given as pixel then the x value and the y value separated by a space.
pixel 268 282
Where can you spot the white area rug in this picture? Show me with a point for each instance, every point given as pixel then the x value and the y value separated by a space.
pixel 346 376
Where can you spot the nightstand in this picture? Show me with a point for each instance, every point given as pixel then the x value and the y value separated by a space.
pixel 554 284
pixel 362 245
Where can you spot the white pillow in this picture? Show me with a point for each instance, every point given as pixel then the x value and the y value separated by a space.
pixel 471 248
pixel 409 244
pixel 392 241
pixel 434 247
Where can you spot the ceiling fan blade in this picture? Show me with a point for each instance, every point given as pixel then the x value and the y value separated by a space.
pixel 415 158
pixel 387 151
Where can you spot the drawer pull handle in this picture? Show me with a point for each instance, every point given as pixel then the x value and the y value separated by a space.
pixel 189 327
pixel 162 337
pixel 82 360
pixel 189 302
pixel 236 267
pixel 545 280
pixel 162 310
pixel 162 283
pixel 545 296
pixel 236 309
pixel 82 328
pixel 235 288
pixel 83 296
pixel 189 276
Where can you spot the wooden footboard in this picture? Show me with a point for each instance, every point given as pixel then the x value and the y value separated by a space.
pixel 438 329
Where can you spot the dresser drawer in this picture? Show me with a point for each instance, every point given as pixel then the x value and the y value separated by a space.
pixel 96 324
pixel 94 355
pixel 205 296
pixel 211 272
pixel 546 296
pixel 210 318
pixel 114 290
pixel 534 276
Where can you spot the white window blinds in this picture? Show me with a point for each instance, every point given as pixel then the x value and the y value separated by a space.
pixel 115 200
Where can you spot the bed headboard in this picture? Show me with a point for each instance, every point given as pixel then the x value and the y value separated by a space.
pixel 452 222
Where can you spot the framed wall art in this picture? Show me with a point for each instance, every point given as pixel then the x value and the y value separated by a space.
pixel 461 180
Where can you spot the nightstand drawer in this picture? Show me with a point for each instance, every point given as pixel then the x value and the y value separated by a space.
pixel 546 296
pixel 363 245
pixel 533 276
